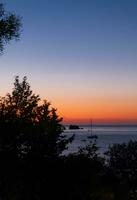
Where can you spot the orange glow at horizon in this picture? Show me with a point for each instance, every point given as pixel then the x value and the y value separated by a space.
pixel 81 110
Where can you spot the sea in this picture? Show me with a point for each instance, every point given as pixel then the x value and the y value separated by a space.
pixel 107 135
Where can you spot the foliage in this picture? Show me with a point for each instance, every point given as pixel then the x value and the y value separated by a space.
pixel 122 162
pixel 31 142
pixel 28 126
pixel 9 27
pixel 123 157
pixel 90 149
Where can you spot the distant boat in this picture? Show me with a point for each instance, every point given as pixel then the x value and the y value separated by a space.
pixel 91 124
pixel 91 131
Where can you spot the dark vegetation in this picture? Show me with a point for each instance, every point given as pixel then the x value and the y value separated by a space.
pixel 10 25
pixel 32 164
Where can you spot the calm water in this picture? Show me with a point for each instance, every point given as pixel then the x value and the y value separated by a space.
pixel 107 135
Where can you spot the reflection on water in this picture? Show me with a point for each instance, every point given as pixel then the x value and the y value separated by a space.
pixel 106 136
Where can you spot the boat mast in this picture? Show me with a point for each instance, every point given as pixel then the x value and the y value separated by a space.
pixel 91 123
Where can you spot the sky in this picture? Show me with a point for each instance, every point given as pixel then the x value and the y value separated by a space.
pixel 81 55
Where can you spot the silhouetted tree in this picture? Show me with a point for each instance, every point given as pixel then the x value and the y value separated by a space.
pixel 122 158
pixel 90 150
pixel 28 127
pixel 9 27
pixel 122 161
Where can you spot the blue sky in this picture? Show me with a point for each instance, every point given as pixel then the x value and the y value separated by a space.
pixel 74 49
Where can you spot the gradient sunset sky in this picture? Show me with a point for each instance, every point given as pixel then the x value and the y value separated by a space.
pixel 81 55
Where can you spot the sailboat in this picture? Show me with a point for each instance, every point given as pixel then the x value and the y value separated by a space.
pixel 91 127
pixel 91 130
